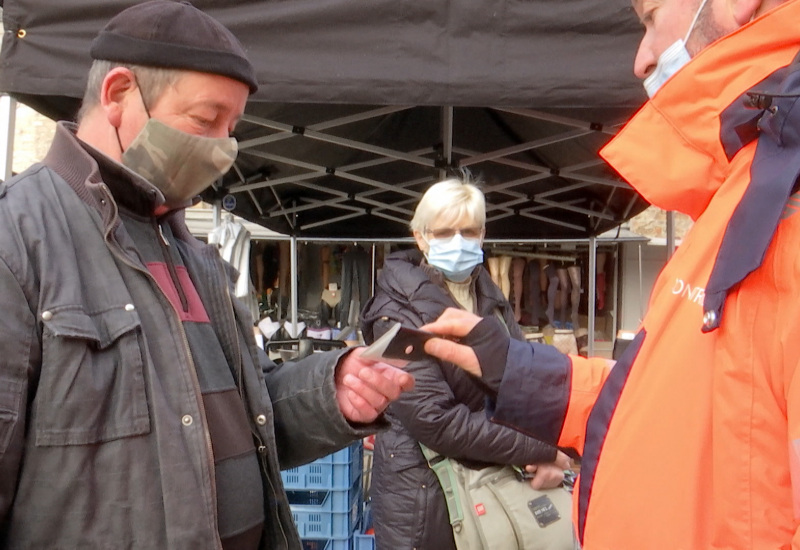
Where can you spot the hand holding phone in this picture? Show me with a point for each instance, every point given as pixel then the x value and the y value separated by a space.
pixel 399 346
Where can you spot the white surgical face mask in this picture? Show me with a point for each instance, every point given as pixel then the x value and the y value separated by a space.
pixel 455 257
pixel 671 60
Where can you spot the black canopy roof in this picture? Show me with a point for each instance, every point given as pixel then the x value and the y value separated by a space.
pixel 362 105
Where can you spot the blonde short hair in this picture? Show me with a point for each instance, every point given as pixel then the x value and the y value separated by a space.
pixel 450 200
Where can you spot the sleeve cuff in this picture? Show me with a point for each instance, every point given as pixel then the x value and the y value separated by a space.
pixel 534 392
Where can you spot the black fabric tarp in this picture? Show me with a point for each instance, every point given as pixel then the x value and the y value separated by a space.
pixel 362 105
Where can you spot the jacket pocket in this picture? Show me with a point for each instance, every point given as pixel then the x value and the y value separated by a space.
pixel 91 387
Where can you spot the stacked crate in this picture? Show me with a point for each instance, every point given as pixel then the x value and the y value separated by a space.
pixel 363 541
pixel 326 497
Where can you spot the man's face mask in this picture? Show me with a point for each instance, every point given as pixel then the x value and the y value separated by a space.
pixel 671 60
pixel 180 165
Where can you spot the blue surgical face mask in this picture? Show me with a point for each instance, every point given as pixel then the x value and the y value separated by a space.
pixel 455 257
pixel 671 60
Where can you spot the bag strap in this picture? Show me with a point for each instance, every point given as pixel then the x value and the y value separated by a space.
pixel 443 469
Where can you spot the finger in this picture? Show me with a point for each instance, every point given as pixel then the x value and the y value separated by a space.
pixel 397 376
pixel 354 407
pixel 547 476
pixel 383 381
pixel 366 391
pixel 538 483
pixel 453 322
pixel 458 354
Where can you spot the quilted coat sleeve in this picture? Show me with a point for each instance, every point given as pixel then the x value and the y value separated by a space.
pixel 434 416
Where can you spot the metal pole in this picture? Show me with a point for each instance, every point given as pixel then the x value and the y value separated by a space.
pixel 373 273
pixel 216 214
pixel 293 283
pixel 8 118
pixel 614 281
pixel 641 287
pixel 670 234
pixel 447 139
pixel 592 293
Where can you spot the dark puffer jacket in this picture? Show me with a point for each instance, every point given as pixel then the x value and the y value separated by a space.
pixel 444 411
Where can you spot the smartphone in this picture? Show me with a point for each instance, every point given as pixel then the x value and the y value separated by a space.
pixel 409 344
pixel 399 346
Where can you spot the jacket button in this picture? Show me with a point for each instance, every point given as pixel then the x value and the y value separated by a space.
pixel 187 420
pixel 261 419
pixel 129 307
pixel 47 315
pixel 262 449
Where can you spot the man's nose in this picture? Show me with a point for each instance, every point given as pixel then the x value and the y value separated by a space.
pixel 645 61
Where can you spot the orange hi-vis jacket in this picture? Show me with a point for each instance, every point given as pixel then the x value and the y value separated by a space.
pixel 692 441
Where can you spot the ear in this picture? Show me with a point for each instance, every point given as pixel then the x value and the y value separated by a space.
pixel 743 11
pixel 421 244
pixel 114 93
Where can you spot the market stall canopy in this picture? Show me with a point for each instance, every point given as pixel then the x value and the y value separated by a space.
pixel 362 105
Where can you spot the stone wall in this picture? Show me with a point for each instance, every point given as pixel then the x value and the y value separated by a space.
pixel 32 136
pixel 652 223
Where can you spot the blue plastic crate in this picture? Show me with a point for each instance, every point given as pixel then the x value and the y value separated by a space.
pixel 332 500
pixel 363 542
pixel 327 525
pixel 327 544
pixel 336 471
pixel 355 451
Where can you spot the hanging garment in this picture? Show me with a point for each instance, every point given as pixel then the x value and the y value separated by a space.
pixel 356 282
pixel 233 241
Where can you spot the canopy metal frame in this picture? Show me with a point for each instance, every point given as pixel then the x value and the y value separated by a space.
pixel 394 200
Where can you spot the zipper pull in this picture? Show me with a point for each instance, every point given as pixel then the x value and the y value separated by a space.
pixel 163 238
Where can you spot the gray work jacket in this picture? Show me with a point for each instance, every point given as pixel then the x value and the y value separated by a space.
pixel 103 437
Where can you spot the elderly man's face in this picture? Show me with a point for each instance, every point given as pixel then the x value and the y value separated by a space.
pixel 201 104
pixel 666 21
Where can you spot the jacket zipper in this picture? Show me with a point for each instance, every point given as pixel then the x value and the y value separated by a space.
pixel 192 370
pixel 233 335
pixel 173 273
pixel 261 447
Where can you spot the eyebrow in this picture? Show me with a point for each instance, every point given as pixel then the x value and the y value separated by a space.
pixel 213 103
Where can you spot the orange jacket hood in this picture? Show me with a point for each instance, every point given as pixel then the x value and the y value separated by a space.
pixel 682 121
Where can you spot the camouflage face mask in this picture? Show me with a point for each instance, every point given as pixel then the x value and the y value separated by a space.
pixel 180 165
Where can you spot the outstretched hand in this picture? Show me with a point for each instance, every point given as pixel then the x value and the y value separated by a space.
pixel 454 323
pixel 365 388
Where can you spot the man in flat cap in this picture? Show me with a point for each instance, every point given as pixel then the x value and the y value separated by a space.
pixel 136 410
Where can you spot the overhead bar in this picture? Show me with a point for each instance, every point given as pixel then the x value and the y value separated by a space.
pixel 576 209
pixel 522 147
pixel 539 115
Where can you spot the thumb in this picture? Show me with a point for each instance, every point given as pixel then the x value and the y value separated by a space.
pixel 458 354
